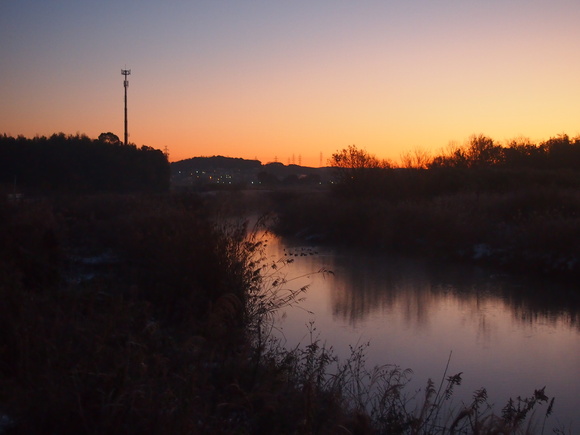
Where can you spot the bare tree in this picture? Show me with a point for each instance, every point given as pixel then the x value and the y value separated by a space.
pixel 356 167
pixel 417 159
pixel 482 151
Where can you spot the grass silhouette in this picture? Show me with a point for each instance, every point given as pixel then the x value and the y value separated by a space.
pixel 152 314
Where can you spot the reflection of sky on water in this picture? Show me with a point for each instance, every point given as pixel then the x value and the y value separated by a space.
pixel 510 336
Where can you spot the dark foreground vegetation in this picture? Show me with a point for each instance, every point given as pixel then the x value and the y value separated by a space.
pixel 515 206
pixel 144 314
pixel 131 313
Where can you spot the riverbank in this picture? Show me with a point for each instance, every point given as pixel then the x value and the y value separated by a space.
pixel 150 313
pixel 528 231
pixel 120 314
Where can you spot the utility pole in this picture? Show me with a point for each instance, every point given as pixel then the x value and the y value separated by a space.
pixel 126 72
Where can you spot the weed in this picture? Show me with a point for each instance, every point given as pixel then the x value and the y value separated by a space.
pixel 175 335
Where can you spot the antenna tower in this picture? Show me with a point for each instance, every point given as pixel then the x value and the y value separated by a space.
pixel 126 72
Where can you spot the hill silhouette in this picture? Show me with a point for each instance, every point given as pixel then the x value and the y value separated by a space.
pixel 201 171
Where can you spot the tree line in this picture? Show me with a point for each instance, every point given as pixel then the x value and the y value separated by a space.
pixel 560 152
pixel 481 164
pixel 79 164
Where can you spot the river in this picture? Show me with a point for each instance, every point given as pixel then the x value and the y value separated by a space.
pixel 510 335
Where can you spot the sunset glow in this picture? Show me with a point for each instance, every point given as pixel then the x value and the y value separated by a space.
pixel 292 81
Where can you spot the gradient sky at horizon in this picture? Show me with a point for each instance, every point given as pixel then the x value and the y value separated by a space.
pixel 293 81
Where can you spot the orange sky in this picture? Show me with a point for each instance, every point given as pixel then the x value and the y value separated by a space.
pixel 292 81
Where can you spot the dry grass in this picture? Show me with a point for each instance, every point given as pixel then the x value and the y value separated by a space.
pixel 170 333
pixel 528 230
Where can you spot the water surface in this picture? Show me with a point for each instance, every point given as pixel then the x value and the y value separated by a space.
pixel 509 335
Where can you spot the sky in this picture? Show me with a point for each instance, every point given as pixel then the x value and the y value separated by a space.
pixel 291 81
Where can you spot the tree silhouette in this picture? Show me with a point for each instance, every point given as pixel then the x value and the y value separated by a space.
pixel 483 152
pixel 80 164
pixel 109 138
pixel 357 171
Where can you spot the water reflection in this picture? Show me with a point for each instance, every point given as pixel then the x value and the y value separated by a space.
pixel 509 335
pixel 414 287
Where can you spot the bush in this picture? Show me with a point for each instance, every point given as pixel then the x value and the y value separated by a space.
pixel 170 333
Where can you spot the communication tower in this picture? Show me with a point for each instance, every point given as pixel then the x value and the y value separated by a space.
pixel 126 72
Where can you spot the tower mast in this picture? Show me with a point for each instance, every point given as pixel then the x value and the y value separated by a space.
pixel 126 72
